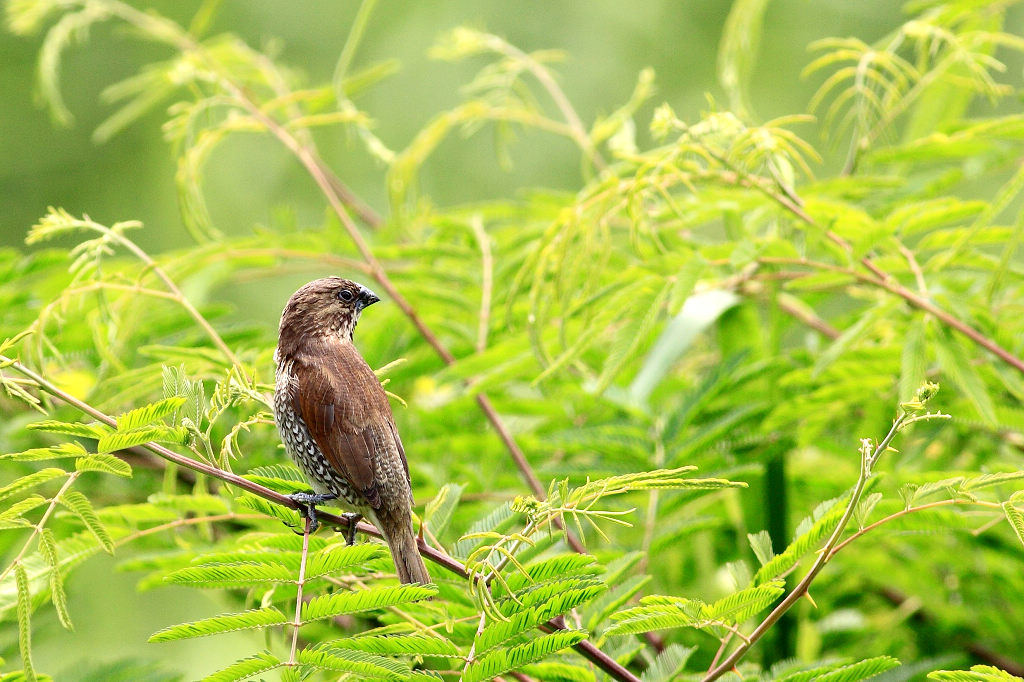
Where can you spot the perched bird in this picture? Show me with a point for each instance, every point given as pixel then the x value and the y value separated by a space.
pixel 335 419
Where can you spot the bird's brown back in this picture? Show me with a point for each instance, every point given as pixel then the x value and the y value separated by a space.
pixel 349 418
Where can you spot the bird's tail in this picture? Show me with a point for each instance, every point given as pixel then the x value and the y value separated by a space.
pixel 397 531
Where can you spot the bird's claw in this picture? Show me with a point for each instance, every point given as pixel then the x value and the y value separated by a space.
pixel 350 533
pixel 307 502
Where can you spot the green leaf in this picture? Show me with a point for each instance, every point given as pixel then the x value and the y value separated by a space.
pixel 147 414
pixel 648 617
pixel 555 671
pixel 633 336
pixel 669 664
pixel 331 605
pixel 33 480
pixel 107 464
pixel 412 644
pixel 48 548
pixel 326 657
pixel 977 673
pixel 336 558
pixel 618 594
pixel 840 672
pixel 988 480
pixel 738 52
pixel 258 504
pixel 227 622
pixel 21 507
pixel 746 603
pixel 245 668
pixel 242 574
pixel 122 440
pixel 913 360
pixel 24 621
pixel 761 543
pixel 523 620
pixel 502 660
pixel 438 511
pixel 62 451
pixel 94 431
pixel 956 362
pixel 1016 519
pixel 79 504
pixel 804 543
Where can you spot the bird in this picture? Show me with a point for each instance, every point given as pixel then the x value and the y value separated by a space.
pixel 335 420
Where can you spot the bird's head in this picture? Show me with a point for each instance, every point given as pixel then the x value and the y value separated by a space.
pixel 326 307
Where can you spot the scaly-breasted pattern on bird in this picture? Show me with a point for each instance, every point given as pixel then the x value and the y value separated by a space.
pixel 334 417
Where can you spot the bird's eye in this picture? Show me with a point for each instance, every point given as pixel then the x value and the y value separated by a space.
pixel 346 295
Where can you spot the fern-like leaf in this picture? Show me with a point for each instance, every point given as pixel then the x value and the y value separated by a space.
pixel 502 660
pixel 227 622
pixel 330 605
pixel 81 507
pixel 245 668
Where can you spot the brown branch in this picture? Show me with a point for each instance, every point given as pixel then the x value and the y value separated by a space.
pixel 915 300
pixel 880 278
pixel 586 648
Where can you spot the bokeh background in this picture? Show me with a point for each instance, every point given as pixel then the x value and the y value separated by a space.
pixel 606 43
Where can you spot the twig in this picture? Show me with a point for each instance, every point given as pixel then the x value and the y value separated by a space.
pixel 179 296
pixel 543 76
pixel 868 459
pixel 914 267
pixel 586 648
pixel 297 622
pixel 487 281
pixel 916 301
pixel 38 528
pixel 472 649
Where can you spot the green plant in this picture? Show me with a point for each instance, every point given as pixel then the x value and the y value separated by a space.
pixel 699 301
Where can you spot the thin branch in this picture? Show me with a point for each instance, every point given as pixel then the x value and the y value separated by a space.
pixel 297 621
pixel 916 301
pixel 179 296
pixel 547 81
pixel 586 648
pixel 868 460
pixel 914 268
pixel 38 528
pixel 487 281
pixel 472 649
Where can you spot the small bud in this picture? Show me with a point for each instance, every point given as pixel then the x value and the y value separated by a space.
pixel 526 504
pixel 927 392
pixel 921 396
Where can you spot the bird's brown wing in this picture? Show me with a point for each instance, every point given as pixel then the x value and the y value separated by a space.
pixel 348 415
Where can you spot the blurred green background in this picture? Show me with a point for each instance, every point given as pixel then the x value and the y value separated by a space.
pixel 606 43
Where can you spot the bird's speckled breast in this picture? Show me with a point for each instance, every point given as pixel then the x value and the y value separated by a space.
pixel 300 444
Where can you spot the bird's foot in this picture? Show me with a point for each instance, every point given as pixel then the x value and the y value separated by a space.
pixel 350 533
pixel 307 502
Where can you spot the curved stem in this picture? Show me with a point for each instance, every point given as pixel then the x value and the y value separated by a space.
pixel 38 528
pixel 300 583
pixel 868 460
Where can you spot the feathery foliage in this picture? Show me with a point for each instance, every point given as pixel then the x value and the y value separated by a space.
pixel 614 395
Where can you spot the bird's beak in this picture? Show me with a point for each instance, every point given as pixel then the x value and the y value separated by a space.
pixel 367 297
